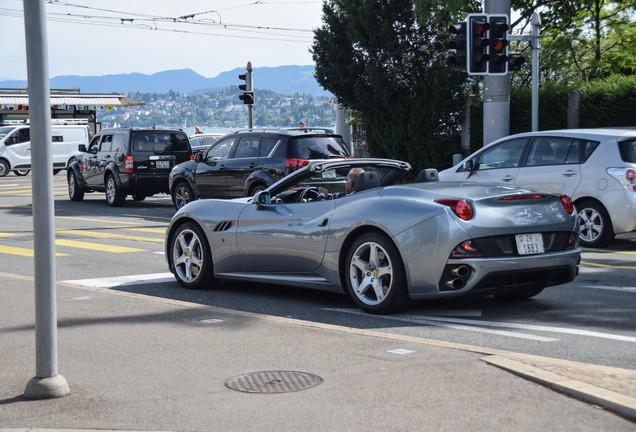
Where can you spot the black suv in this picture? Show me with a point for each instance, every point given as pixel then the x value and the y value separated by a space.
pixel 247 161
pixel 127 161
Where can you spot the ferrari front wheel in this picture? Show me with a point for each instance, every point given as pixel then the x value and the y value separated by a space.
pixel 375 275
pixel 190 257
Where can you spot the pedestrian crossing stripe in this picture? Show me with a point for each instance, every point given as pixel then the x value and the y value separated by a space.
pixel 22 251
pixel 97 220
pixel 96 246
pixel 108 235
pixel 149 230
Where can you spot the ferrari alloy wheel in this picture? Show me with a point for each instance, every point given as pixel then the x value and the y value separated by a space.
pixel 595 227
pixel 375 275
pixel 190 257
pixel 114 196
pixel 182 194
pixel 75 193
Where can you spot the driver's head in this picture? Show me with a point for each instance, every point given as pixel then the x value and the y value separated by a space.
pixel 352 179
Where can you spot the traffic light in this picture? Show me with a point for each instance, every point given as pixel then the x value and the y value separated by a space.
pixel 498 53
pixel 478 44
pixel 458 44
pixel 248 90
pixel 515 60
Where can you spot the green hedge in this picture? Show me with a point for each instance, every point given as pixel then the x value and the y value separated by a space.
pixel 611 102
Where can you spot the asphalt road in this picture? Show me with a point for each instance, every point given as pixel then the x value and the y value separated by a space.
pixel 590 320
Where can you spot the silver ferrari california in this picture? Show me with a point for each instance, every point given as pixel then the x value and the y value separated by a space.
pixel 392 239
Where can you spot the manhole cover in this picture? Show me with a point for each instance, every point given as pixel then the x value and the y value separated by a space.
pixel 273 382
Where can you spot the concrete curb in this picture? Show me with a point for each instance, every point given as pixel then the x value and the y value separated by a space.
pixel 610 400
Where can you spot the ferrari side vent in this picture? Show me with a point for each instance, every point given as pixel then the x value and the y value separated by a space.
pixel 223 226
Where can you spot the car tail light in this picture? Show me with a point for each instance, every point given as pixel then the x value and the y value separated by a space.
pixel 462 208
pixel 295 163
pixel 627 177
pixel 567 204
pixel 467 249
pixel 573 241
pixel 129 165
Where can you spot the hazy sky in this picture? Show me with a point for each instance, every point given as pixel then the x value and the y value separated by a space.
pixel 99 37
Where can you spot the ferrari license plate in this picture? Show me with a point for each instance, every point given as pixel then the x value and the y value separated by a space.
pixel 528 244
pixel 163 164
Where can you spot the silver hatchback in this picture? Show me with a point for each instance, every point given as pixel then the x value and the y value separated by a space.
pixel 595 167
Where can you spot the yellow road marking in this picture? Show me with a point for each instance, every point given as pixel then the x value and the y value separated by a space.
pixel 96 220
pixel 108 235
pixel 21 251
pixel 96 246
pixel 148 216
pixel 8 234
pixel 608 265
pixel 608 251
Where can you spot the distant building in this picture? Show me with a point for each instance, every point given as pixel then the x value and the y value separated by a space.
pixel 65 104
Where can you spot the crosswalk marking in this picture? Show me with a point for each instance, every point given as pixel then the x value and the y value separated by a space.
pixel 96 246
pixel 97 220
pixel 11 250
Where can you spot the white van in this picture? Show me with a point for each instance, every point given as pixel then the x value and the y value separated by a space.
pixel 15 144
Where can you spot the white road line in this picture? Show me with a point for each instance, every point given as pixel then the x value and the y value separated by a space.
pixel 124 280
pixel 438 322
pixel 611 288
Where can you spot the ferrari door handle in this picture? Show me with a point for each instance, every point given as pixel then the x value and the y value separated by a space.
pixel 569 173
pixel 508 178
pixel 324 222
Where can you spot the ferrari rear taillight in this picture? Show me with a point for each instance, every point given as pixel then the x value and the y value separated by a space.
pixel 129 165
pixel 295 163
pixel 567 204
pixel 462 208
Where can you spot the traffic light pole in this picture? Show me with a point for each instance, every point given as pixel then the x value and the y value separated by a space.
pixel 250 123
pixel 496 90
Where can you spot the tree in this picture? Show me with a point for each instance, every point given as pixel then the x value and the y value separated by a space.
pixel 390 68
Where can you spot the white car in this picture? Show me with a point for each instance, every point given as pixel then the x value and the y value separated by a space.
pixel 595 167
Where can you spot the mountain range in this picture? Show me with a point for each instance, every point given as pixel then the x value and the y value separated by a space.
pixel 279 79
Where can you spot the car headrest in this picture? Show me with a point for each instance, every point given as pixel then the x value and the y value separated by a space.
pixel 367 180
pixel 427 175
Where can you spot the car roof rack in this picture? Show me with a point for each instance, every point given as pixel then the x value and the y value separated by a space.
pixel 287 131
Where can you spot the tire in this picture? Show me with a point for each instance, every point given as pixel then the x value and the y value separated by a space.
pixel 4 168
pixel 257 188
pixel 114 195
pixel 595 226
pixel 190 258
pixel 75 193
pixel 21 172
pixel 519 294
pixel 139 197
pixel 377 292
pixel 182 194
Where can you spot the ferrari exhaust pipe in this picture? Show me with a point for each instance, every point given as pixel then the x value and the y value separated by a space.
pixel 455 284
pixel 461 271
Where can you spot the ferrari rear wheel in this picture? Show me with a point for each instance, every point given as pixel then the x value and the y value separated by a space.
pixel 190 257
pixel 375 275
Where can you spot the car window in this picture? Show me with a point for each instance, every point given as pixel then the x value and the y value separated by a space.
pixel 267 145
pixel 160 141
pixel 119 141
pixel 553 151
pixel 318 147
pixel 504 155
pixel 94 145
pixel 247 148
pixel 24 135
pixel 587 148
pixel 195 141
pixel 4 130
pixel 221 150
pixel 627 150
pixel 106 144
pixel 11 139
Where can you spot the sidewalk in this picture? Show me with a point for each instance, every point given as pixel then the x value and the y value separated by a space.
pixel 141 363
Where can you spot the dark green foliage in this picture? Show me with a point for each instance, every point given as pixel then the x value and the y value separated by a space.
pixel 611 102
pixel 390 69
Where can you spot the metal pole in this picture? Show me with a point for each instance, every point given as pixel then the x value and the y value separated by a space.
pixel 47 383
pixel 536 22
pixel 496 90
